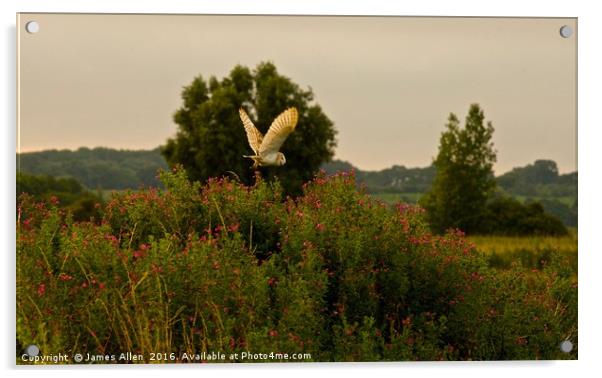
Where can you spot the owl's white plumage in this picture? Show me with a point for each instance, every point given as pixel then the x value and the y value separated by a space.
pixel 267 148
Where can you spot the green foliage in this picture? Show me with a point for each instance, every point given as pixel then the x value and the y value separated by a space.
pixel 211 140
pixel 566 213
pixel 231 268
pixel 507 216
pixel 108 169
pixel 519 317
pixel 540 179
pixel 541 182
pixel 397 179
pixel 464 180
pixel 67 192
pixel 463 194
pixel 97 168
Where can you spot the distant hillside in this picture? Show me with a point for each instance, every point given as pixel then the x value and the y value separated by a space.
pixel 389 180
pixel 109 169
pixel 541 182
pixel 539 179
pixel 97 168
pixel 106 168
pixel 537 182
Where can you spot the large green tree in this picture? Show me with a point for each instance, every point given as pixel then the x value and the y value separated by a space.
pixel 211 140
pixel 464 180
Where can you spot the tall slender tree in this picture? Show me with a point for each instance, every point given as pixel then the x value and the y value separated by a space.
pixel 464 180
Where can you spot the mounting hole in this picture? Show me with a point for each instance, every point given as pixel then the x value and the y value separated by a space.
pixel 32 27
pixel 566 31
pixel 32 350
pixel 566 346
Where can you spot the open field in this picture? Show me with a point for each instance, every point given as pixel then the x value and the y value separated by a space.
pixel 392 198
pixel 531 252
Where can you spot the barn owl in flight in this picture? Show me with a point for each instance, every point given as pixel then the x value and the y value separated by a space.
pixel 266 148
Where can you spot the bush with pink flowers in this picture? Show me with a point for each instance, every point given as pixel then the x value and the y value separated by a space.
pixel 222 267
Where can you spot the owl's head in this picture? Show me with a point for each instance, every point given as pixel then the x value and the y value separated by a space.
pixel 280 159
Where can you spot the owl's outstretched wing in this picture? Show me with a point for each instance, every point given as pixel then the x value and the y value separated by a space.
pixel 253 135
pixel 280 129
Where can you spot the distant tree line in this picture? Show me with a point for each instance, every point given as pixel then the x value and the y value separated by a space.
pixel 538 182
pixel 396 179
pixel 507 216
pixel 540 179
pixel 111 169
pixel 67 192
pixel 97 168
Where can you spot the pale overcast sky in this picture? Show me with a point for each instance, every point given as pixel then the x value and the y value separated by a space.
pixel 388 83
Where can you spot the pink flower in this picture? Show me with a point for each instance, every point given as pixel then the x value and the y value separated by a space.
pixel 521 340
pixel 65 277
pixel 407 321
pixel 273 333
pixel 41 289
pixel 112 238
pixel 320 227
pixel 156 269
